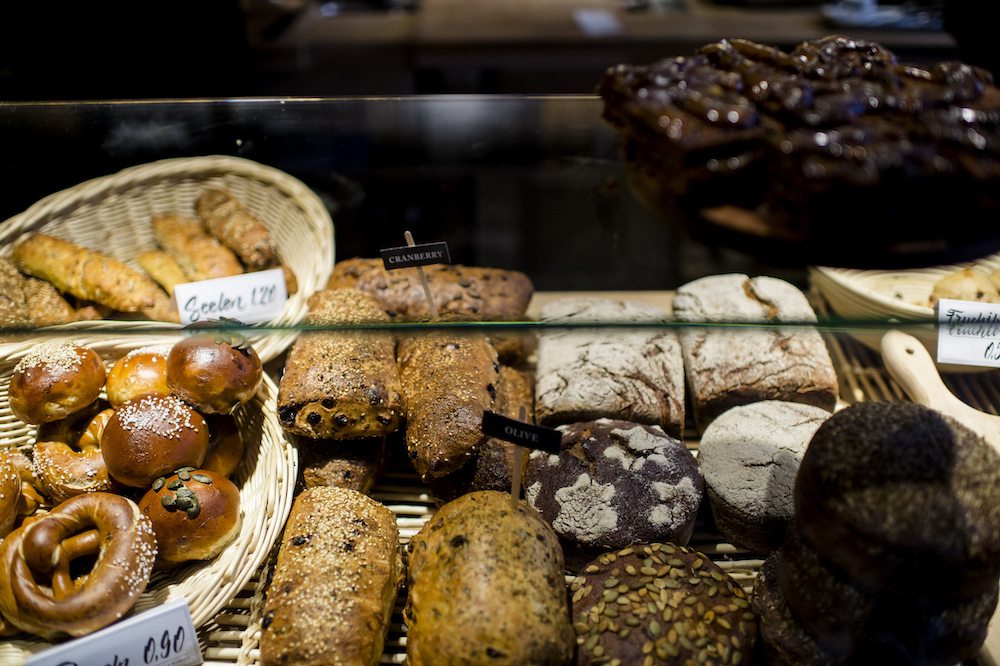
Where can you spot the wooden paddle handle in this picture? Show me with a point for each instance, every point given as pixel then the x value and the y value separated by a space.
pixel 909 363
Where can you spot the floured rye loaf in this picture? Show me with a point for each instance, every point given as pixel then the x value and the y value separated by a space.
pixel 631 374
pixel 614 484
pixel 800 134
pixel 342 384
pixel 728 367
pixel 749 457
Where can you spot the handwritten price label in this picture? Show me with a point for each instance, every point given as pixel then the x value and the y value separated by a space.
pixel 968 333
pixel 251 298
pixel 163 636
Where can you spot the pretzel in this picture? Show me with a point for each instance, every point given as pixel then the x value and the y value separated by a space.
pixel 67 458
pixel 37 591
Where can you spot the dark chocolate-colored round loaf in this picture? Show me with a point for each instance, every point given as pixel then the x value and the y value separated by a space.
pixel 615 483
pixel 892 493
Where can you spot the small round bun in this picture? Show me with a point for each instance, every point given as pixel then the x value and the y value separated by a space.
pixel 225 444
pixel 215 373
pixel 141 371
pixel 53 380
pixel 67 457
pixel 10 493
pixel 195 514
pixel 153 436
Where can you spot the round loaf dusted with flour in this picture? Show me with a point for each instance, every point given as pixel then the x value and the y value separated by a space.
pixel 615 483
pixel 749 457
pixel 890 493
pixel 660 604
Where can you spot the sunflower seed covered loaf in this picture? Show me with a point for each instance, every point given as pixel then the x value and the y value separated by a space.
pixel 335 582
pixel 486 587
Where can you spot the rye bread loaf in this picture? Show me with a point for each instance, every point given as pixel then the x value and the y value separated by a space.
pixel 492 466
pixel 749 457
pixel 622 373
pixel 449 377
pixel 486 587
pixel 487 294
pixel 342 384
pixel 727 367
pixel 353 464
pixel 614 484
pixel 890 493
pixel 335 582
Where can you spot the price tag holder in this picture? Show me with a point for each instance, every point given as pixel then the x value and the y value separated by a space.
pixel 523 434
pixel 415 255
pixel 162 636
pixel 251 298
pixel 968 333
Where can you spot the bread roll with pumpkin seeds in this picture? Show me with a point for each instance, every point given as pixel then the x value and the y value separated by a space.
pixel 671 605
pixel 486 587
pixel 335 582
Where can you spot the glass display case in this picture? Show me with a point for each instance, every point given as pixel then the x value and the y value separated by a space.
pixel 535 185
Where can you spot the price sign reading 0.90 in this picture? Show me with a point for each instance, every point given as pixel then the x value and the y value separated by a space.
pixel 162 636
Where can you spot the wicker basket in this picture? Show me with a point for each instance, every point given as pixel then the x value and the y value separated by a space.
pixel 265 477
pixel 112 214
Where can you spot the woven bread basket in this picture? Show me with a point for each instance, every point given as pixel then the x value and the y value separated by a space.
pixel 894 298
pixel 112 215
pixel 265 477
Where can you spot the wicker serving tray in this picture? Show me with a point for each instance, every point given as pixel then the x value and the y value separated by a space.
pixel 265 477
pixel 112 214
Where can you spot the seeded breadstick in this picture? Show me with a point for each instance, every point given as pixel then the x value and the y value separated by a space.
pixel 200 256
pixel 335 582
pixel 229 221
pixel 163 268
pixel 92 276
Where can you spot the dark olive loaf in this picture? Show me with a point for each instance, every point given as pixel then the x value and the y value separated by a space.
pixel 354 464
pixel 486 586
pixel 728 367
pixel 890 493
pixel 342 384
pixel 492 466
pixel 615 483
pixel 335 582
pixel 660 604
pixel 450 378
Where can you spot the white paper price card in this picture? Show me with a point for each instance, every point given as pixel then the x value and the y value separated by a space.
pixel 162 636
pixel 968 333
pixel 251 298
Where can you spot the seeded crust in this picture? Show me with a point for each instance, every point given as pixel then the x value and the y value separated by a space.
pixel 13 302
pixel 334 587
pixel 355 465
pixel 342 384
pixel 890 493
pixel 855 624
pixel 490 294
pixel 492 466
pixel 449 378
pixel 615 483
pixel 46 304
pixel 660 604
pixel 785 642
pixel 486 587
pixel 634 374
pixel 726 368
pixel 749 457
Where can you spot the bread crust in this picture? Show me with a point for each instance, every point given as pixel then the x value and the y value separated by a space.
pixel 335 582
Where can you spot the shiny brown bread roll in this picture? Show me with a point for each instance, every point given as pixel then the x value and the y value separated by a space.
pixel 215 373
pixel 142 370
pixel 53 380
pixel 195 514
pixel 10 493
pixel 67 456
pixel 486 587
pixel 335 582
pixel 153 436
pixel 225 444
